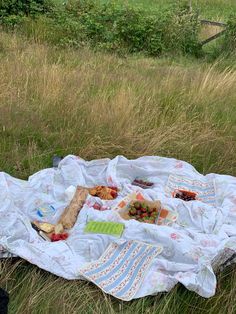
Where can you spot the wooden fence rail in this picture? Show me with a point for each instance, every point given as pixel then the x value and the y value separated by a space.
pixel 213 23
pixel 217 35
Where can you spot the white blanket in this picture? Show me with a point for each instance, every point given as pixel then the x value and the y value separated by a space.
pixel 203 229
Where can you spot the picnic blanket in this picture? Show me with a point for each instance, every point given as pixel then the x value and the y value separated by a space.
pixel 186 251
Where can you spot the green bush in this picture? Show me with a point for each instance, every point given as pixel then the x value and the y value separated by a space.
pixel 24 7
pixel 229 44
pixel 12 11
pixel 115 27
pixel 63 32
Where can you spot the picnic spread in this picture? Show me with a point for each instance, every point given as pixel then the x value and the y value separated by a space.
pixel 132 227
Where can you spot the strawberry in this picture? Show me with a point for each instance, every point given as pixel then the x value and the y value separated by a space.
pixel 97 206
pixel 144 210
pixel 132 211
pixel 113 193
pixel 137 205
pixel 150 221
pixel 153 214
pixel 144 215
pixel 58 237
pixel 55 237
pixel 114 188
pixel 64 236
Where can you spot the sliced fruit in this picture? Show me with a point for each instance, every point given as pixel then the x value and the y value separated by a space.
pixel 164 213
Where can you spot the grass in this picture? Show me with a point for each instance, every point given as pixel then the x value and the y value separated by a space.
pixel 33 291
pixel 212 9
pixel 94 105
pixel 218 10
pixel 98 105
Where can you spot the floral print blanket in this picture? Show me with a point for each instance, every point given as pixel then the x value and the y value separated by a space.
pixel 192 247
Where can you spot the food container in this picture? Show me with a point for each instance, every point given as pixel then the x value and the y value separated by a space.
pixel 142 183
pixel 147 212
pixel 185 195
pixel 45 211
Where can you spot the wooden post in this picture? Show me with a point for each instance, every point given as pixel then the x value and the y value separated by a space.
pixel 190 6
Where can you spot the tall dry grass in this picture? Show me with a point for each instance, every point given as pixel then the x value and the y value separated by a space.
pixel 97 105
pixel 33 291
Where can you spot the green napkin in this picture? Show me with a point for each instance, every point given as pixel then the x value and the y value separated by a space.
pixel 111 228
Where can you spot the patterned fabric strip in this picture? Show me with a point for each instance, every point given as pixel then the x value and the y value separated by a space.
pixel 122 268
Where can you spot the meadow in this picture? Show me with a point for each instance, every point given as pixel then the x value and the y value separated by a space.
pixel 95 104
pixel 212 9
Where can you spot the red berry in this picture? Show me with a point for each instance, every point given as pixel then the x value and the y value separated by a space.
pixel 64 236
pixel 137 205
pixel 114 188
pixel 153 215
pixel 55 237
pixel 97 206
pixel 113 194
pixel 144 215
pixel 58 237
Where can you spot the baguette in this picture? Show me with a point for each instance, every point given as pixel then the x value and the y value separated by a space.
pixel 69 216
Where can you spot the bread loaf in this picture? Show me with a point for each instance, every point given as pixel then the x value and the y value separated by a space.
pixel 69 216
